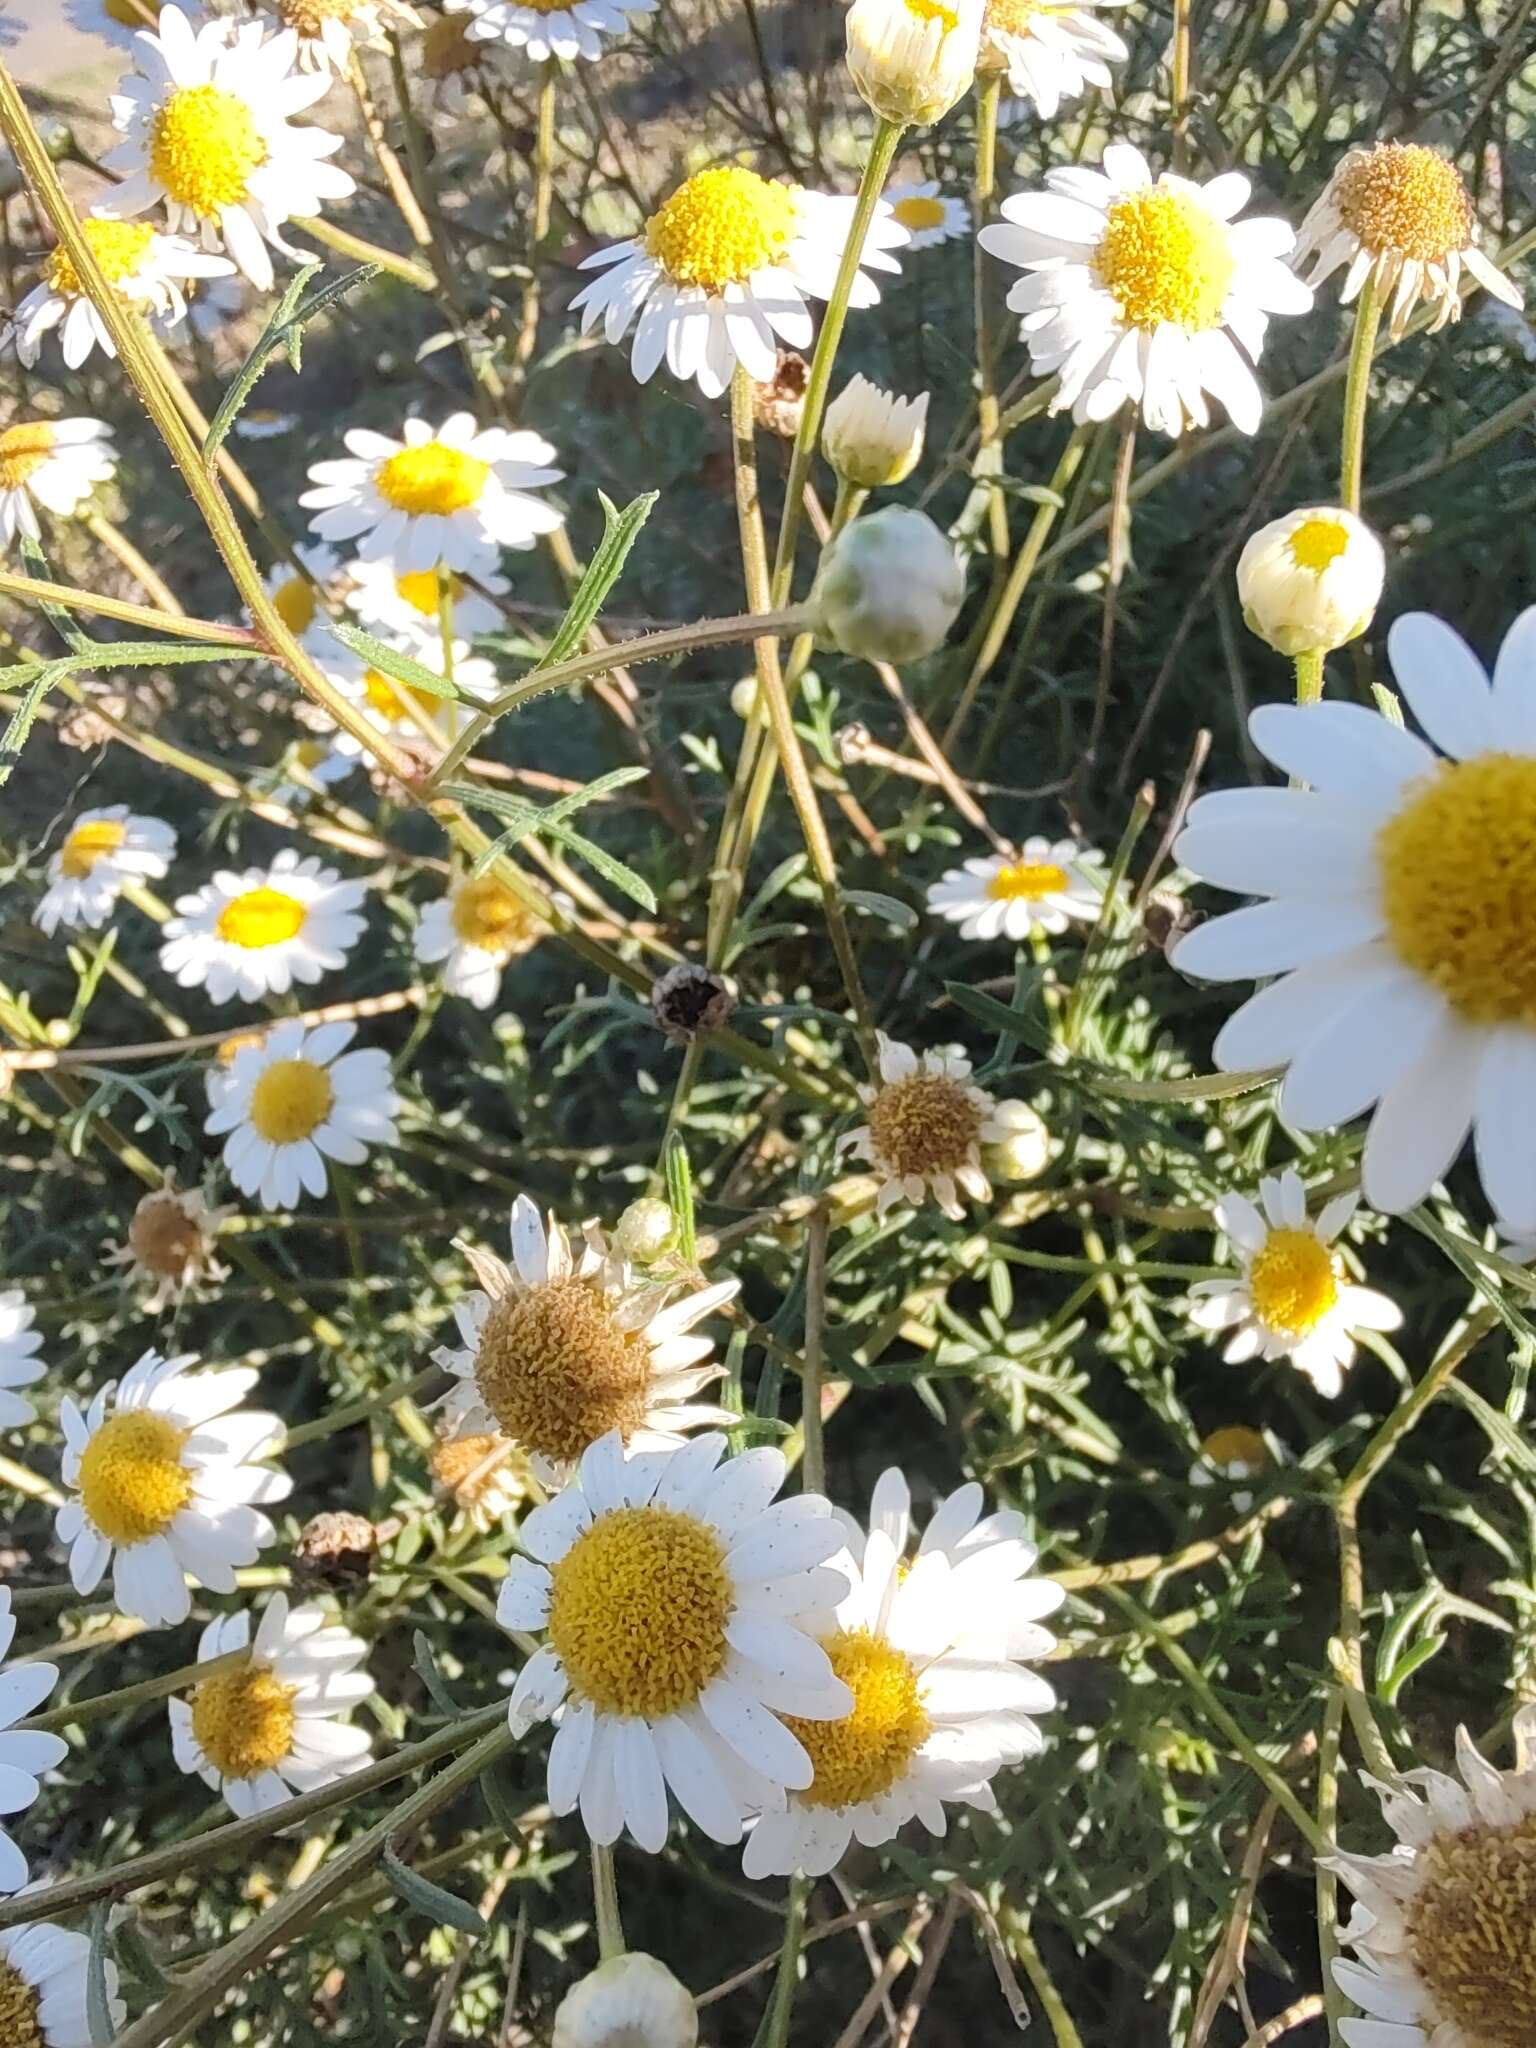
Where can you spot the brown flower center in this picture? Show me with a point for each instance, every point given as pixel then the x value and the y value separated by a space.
pixel 923 1124
pixel 166 1237
pixel 1404 198
pixel 557 1372
pixel 20 2024
pixel 1470 1933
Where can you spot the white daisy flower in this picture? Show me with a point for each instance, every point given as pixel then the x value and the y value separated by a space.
pixel 452 495
pixel 569 1343
pixel 1442 1924
pixel 261 932
pixel 724 267
pixel 206 130
pixel 550 28
pixel 388 600
pixel 928 1121
pixel 165 1480
pixel 321 765
pixel 1290 1298
pixel 290 1103
pixel 1044 889
pixel 118 21
pixel 43 1974
pixel 19 1362
pixel 631 2001
pixel 328 29
pixel 1311 581
pixel 211 309
pixel 1399 213
pixel 264 1729
pixel 299 596
pixel 1049 54
pixel 264 423
pixel 1146 291
pixel 674 1600
pixel 1233 1457
pixel 411 717
pixel 146 269
pixel 53 463
pixel 934 1654
pixel 475 930
pixel 912 60
pixel 24 1755
pixel 169 1246
pixel 1399 921
pixel 101 852
pixel 929 215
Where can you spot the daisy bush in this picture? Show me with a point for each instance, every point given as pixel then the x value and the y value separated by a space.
pixel 768 1025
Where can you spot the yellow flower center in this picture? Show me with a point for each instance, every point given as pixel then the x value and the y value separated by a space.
pixel 432 479
pixel 923 1124
pixel 1403 198
pixel 919 214
pixel 1163 257
pixel 638 1611
pixel 394 701
pixel 446 48
pixel 244 1720
pixel 1026 881
pixel 1235 1446
pixel 1458 878
pixel 132 13
pixel 260 917
pixel 88 844
pixel 291 1101
pixel 933 10
pixel 296 603
pixel 1012 17
pixel 456 1461
pixel 1318 542
pixel 204 145
pixel 23 451
pixel 722 226
pixel 421 590
pixel 310 16
pixel 489 916
pixel 1294 1281
pixel 166 1236
pixel 557 1372
pixel 1470 1935
pixel 119 247
pixel 20 2023
pixel 132 1481
pixel 864 1756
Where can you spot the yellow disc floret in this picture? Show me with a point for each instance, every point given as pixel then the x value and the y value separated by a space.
pixel 934 10
pixel 722 226
pixel 309 17
pixel 261 917
pixel 394 702
pixel 1458 879
pixel 1026 881
pixel 432 480
pixel 88 844
pixel 1470 1935
pixel 119 247
pixel 1235 1446
pixel 1318 542
pixel 1165 257
pixel 638 1611
pixel 204 146
pixel 21 2024
pixel 919 214
pixel 862 1757
pixel 1294 1281
pixel 244 1720
pixel 132 13
pixel 296 603
pixel 1403 198
pixel 924 1124
pixel 1013 17
pixel 422 591
pixel 23 451
pixel 291 1101
pixel 487 915
pixel 557 1372
pixel 132 1481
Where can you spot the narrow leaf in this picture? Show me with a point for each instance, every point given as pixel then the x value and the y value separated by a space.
pixel 400 668
pixel 680 1196
pixel 446 1908
pixel 44 675
pixel 622 876
pixel 620 532
pixel 285 330
pixel 886 908
pixel 430 1676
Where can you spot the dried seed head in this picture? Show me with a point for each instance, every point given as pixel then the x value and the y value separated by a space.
pixel 688 1000
pixel 336 1549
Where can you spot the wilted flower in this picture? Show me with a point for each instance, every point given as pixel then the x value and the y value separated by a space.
pixel 689 999
pixel 169 1246
pixel 889 587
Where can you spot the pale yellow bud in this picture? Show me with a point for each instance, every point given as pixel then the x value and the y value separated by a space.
pixel 1025 1152
pixel 871 437
pixel 1311 581
pixel 912 60
pixel 645 1230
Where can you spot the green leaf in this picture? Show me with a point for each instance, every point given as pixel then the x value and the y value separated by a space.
pixel 60 620
pixel 620 532
pixel 886 908
pixel 285 330
pixel 430 1676
pixel 446 1908
pixel 128 654
pixel 519 818
pixel 400 668
pixel 988 1010
pixel 44 675
pixel 680 1196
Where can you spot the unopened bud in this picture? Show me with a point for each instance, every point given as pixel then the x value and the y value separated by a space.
pixel 871 437
pixel 912 60
pixel 645 1231
pixel 1025 1152
pixel 1311 581
pixel 889 587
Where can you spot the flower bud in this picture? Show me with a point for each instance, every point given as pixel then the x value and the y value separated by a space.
pixel 645 1231
pixel 1025 1151
pixel 913 59
pixel 871 437
pixel 632 2001
pixel 889 587
pixel 744 696
pixel 1311 581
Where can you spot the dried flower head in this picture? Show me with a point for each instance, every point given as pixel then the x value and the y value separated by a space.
pixel 336 1549
pixel 689 999
pixel 169 1248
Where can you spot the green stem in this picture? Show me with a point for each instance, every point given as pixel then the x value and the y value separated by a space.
pixel 543 190
pixel 605 1900
pixel 775 2032
pixel 1309 677
pixel 813 1459
pixel 1357 392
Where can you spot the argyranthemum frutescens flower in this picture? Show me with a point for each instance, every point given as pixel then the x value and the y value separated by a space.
pixel 53 463
pixel 1290 1298
pixel 295 1101
pixel 928 1121
pixel 872 438
pixel 266 1728
pixel 169 1245
pixel 44 1971
pixel 117 21
pixel 205 126
pixel 163 1472
pixel 452 495
pixel 1044 889
pixel 406 602
pixel 258 933
pixel 1049 53
pixel 144 268
pixel 934 1654
pixel 1442 1924
pixel 474 931
pixel 24 1755
pixel 550 28
pixel 100 852
pixel 679 1607
pixel 1146 291
pixel 19 1362
pixel 724 266
pixel 928 214
pixel 328 29
pixel 1399 214
pixel 568 1343
pixel 912 60
pixel 631 2001
pixel 452 63
pixel 1311 581
pixel 296 588
pixel 1400 925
